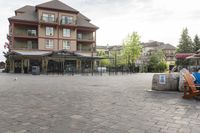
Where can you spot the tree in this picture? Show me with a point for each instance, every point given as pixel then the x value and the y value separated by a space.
pixel 185 43
pixel 132 48
pixel 157 62
pixel 196 43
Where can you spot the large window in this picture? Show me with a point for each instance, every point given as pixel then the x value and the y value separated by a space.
pixel 49 31
pixel 48 17
pixel 66 44
pixel 67 20
pixel 66 32
pixel 49 43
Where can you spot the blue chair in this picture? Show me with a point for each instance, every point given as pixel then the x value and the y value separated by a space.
pixel 197 77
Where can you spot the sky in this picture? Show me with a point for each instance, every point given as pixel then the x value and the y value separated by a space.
pixel 159 20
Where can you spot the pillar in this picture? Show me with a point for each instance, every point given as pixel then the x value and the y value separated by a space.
pixel 22 66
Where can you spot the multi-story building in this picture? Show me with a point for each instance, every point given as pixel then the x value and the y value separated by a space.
pixel 151 47
pixel 53 36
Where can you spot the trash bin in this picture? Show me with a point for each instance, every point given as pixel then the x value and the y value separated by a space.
pixel 35 70
pixel 165 82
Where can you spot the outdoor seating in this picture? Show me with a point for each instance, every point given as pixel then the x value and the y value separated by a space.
pixel 190 88
pixel 197 77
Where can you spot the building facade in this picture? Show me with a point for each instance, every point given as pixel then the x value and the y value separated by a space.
pixel 149 48
pixel 53 36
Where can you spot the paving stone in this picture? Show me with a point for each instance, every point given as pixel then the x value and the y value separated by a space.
pixel 98 104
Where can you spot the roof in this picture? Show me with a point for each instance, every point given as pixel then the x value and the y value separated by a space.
pixel 26 8
pixel 84 17
pixel 81 22
pixel 167 46
pixel 57 5
pixel 28 14
pixel 31 53
pixel 183 55
pixel 25 17
pixel 152 44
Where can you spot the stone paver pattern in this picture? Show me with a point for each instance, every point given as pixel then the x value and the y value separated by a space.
pixel 92 104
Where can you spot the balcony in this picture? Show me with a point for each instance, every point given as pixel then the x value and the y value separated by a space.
pixel 68 23
pixel 84 48
pixel 26 44
pixel 48 20
pixel 88 38
pixel 26 34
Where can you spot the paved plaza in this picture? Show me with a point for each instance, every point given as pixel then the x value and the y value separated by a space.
pixel 98 104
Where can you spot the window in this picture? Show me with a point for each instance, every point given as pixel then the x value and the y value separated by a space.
pixel 66 32
pixel 31 32
pixel 67 20
pixel 29 43
pixel 49 31
pixel 49 43
pixel 80 36
pixel 66 44
pixel 48 17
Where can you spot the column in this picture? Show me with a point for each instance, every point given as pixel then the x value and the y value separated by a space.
pixel 22 66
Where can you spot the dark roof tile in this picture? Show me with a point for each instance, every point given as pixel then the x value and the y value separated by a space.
pixel 58 5
pixel 81 22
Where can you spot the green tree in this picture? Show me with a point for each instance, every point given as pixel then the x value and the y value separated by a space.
pixel 185 43
pixel 196 43
pixel 157 62
pixel 106 61
pixel 132 48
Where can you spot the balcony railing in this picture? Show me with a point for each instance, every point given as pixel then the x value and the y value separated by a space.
pixel 48 19
pixel 67 22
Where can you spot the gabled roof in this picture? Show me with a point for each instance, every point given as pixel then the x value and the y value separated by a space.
pixel 26 9
pixel 166 46
pixel 84 17
pixel 56 5
pixel 84 23
pixel 28 16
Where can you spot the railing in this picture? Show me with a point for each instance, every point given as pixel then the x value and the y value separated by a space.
pixel 48 19
pixel 85 38
pixel 68 22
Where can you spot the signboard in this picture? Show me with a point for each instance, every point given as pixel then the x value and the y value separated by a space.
pixel 162 79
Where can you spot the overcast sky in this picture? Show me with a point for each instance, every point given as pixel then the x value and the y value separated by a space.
pixel 160 20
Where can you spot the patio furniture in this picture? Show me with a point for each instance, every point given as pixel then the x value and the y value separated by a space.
pixel 197 77
pixel 190 89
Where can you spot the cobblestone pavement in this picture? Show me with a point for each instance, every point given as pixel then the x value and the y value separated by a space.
pixel 98 104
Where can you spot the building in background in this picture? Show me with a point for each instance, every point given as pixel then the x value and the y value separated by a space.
pixel 53 36
pixel 149 48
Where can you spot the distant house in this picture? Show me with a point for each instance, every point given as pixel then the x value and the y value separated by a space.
pixel 151 47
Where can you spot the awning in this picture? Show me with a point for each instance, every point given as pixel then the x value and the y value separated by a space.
pixel 183 55
pixel 30 53
pixel 88 55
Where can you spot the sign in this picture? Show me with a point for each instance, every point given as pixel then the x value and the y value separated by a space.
pixel 162 79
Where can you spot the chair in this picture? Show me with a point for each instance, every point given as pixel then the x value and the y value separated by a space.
pixel 197 77
pixel 190 89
